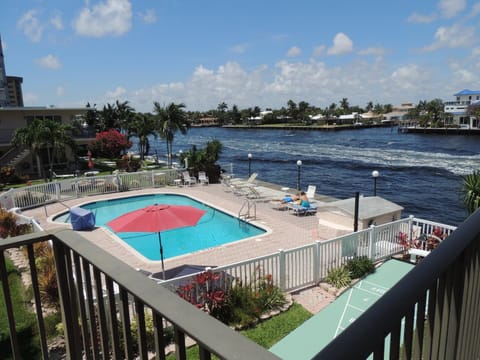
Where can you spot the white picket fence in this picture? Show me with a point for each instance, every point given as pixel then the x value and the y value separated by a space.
pixel 76 187
pixel 308 265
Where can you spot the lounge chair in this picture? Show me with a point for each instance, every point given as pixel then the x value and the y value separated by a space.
pixel 240 187
pixel 311 192
pixel 203 178
pixel 241 182
pixel 187 179
pixel 302 210
pixel 62 176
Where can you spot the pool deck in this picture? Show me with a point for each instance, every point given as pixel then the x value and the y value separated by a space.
pixel 284 231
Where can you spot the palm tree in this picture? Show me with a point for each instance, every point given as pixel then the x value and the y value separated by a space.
pixel 471 191
pixel 292 109
pixel 345 105
pixel 45 134
pixel 171 119
pixel 125 114
pixel 142 127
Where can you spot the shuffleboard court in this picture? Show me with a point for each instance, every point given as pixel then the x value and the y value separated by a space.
pixel 312 336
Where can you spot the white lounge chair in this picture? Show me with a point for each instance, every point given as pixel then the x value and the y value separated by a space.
pixel 62 176
pixel 187 179
pixel 203 178
pixel 311 192
pixel 241 182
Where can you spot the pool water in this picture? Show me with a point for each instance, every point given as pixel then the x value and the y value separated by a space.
pixel 213 229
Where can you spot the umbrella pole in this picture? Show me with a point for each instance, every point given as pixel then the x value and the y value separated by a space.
pixel 161 255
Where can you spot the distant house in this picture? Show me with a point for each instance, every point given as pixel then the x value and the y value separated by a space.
pixel 399 113
pixel 319 118
pixel 458 109
pixel 348 119
pixel 207 121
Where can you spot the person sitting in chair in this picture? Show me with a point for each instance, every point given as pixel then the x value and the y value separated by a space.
pixel 298 199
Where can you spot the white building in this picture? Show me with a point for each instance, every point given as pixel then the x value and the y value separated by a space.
pixel 458 109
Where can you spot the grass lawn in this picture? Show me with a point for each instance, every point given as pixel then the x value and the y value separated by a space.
pixel 267 332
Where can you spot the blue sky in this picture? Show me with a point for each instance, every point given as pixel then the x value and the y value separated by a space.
pixel 247 53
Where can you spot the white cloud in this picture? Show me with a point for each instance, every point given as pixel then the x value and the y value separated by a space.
pixel 375 51
pixel 239 48
pixel 341 45
pixel 148 16
pixel 421 19
pixel 464 75
pixel 450 8
pixel 110 17
pixel 314 82
pixel 318 50
pixel 60 90
pixel 116 94
pixel 30 25
pixel 454 36
pixel 475 10
pixel 49 62
pixel 408 77
pixel 294 51
pixel 56 21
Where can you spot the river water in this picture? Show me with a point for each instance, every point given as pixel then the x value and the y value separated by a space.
pixel 421 172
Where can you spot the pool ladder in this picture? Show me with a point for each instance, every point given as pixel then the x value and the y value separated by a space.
pixel 248 210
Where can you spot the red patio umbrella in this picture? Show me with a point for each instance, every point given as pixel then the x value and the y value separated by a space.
pixel 157 218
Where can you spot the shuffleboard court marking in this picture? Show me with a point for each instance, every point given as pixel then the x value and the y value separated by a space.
pixel 371 292
pixel 343 315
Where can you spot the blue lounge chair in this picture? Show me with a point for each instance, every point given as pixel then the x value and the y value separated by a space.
pixel 302 210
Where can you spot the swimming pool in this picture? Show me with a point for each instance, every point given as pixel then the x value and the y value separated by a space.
pixel 214 228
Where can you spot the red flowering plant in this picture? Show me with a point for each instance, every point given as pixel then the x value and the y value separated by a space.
pixel 110 144
pixel 230 300
pixel 424 241
pixel 207 293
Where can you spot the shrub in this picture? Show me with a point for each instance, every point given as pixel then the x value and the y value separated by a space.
pixel 51 322
pixel 150 331
pixel 109 144
pixel 207 294
pixel 8 176
pixel 129 165
pixel 267 295
pixel 47 278
pixel 9 226
pixel 233 302
pixel 360 266
pixel 339 277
